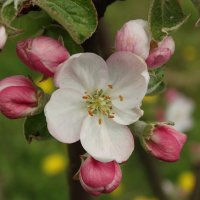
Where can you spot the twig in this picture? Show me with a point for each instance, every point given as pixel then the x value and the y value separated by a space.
pixel 75 189
pixel 152 172
pixel 196 191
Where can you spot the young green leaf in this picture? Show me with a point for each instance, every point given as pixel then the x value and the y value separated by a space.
pixel 156 83
pixel 7 15
pixel 165 16
pixel 35 127
pixel 78 17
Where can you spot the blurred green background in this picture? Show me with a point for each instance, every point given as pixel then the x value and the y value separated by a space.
pixel 36 171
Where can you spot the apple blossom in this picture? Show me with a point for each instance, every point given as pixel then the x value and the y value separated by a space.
pixel 98 177
pixel 135 36
pixel 164 142
pixel 18 97
pixel 161 53
pixel 179 110
pixel 96 100
pixel 3 37
pixel 42 54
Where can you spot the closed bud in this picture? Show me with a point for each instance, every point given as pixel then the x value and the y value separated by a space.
pixel 42 54
pixel 160 53
pixel 19 97
pixel 97 177
pixel 164 142
pixel 134 37
pixel 3 37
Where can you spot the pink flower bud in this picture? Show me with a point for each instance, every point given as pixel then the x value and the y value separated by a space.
pixel 162 53
pixel 18 97
pixel 165 143
pixel 135 37
pixel 3 37
pixel 42 54
pixel 97 177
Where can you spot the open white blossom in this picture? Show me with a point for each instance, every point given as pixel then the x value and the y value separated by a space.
pixel 96 100
pixel 179 110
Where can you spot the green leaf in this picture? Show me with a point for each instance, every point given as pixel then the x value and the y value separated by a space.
pixel 156 83
pixel 57 32
pixel 165 16
pixel 7 15
pixel 35 127
pixel 78 17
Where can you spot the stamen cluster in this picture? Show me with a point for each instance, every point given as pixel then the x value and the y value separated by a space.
pixel 99 103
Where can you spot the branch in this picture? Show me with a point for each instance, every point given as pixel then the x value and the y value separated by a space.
pixel 75 189
pixel 152 172
pixel 196 191
pixel 101 6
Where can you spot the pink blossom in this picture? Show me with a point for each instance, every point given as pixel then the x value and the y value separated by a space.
pixel 134 36
pixel 42 54
pixel 18 97
pixel 97 177
pixel 162 53
pixel 165 143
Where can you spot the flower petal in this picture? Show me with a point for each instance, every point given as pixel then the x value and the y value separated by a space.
pixel 126 117
pixel 129 76
pixel 65 113
pixel 107 141
pixel 87 72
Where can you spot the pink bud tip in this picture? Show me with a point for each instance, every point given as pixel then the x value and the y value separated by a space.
pixel 97 177
pixel 161 54
pixel 134 36
pixel 165 143
pixel 18 97
pixel 3 37
pixel 42 54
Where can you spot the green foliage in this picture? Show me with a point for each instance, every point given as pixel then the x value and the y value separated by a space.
pixel 165 16
pixel 35 127
pixel 78 17
pixel 156 83
pixel 7 15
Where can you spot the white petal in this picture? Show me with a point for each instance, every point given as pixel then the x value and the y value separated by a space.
pixel 129 76
pixel 84 71
pixel 127 117
pixel 108 141
pixel 65 113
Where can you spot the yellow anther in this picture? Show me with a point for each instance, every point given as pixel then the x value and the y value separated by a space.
pixel 110 86
pixel 100 121
pixel 121 98
pixel 90 113
pixel 85 97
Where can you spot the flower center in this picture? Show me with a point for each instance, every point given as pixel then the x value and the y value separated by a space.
pixel 98 103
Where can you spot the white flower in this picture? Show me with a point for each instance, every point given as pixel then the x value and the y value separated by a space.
pixel 94 102
pixel 179 111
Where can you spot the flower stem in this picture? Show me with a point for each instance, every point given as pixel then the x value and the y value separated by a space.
pixel 75 189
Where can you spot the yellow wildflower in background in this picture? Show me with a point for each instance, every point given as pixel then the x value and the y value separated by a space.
pixel 46 85
pixel 186 181
pixel 150 99
pixel 54 164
